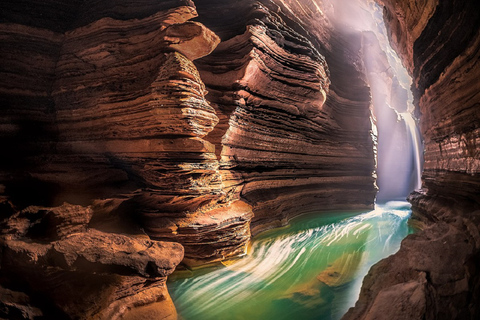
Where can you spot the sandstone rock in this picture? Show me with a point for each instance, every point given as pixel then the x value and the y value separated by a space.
pixel 121 112
pixel 103 101
pixel 401 301
pixel 191 39
pixel 16 305
pixel 71 129
pixel 95 249
pixel 209 236
pixel 122 107
pixel 425 278
pixel 67 273
pixel 287 120
pixel 48 223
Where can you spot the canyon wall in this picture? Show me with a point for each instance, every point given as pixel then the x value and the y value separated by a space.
pixel 436 273
pixel 295 130
pixel 120 163
pixel 136 139
pixel 102 119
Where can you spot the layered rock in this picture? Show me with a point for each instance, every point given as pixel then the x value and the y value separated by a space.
pixel 121 111
pixel 55 265
pixel 108 104
pixel 105 104
pixel 435 273
pixel 209 236
pixel 292 138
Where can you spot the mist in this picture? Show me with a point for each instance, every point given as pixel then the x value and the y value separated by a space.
pixel 399 143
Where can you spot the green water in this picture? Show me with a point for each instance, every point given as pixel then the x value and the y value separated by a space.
pixel 312 269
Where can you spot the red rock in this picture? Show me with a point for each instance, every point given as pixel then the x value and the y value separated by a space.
pixel 210 235
pixel 291 137
pixel 83 274
pixel 103 101
pixel 191 39
pixel 48 223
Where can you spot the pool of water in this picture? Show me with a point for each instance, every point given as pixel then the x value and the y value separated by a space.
pixel 311 269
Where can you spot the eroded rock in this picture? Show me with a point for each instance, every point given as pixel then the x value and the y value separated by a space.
pixel 80 272
pixel 48 223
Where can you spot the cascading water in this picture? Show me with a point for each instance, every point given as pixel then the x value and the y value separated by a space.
pixel 399 156
pixel 415 144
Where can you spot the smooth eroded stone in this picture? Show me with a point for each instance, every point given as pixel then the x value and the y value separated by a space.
pixel 96 250
pixel 192 39
pixel 208 235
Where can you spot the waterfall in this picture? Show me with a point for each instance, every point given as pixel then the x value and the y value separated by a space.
pixel 399 145
pixel 415 144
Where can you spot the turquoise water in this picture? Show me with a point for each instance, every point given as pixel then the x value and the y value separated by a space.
pixel 312 269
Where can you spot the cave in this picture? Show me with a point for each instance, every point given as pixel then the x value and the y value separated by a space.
pixel 152 140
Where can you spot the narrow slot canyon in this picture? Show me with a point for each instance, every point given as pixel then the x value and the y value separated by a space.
pixel 256 159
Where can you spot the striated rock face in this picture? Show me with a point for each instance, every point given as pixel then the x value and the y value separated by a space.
pixel 209 236
pixel 116 109
pixel 435 275
pixel 292 136
pixel 101 101
pixel 140 117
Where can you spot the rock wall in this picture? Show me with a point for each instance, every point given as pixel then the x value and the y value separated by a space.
pixel 435 275
pixel 111 141
pixel 111 106
pixel 136 140
pixel 103 108
pixel 116 109
pixel 294 132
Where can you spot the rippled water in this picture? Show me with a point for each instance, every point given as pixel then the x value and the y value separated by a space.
pixel 311 269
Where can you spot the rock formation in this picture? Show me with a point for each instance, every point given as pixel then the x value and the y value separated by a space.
pixel 57 264
pixel 101 101
pixel 292 137
pixel 435 275
pixel 122 113
pixel 111 136
pixel 137 139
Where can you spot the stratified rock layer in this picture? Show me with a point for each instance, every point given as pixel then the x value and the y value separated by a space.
pixel 117 109
pixel 435 275
pixel 294 132
pixel 105 109
pixel 101 100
